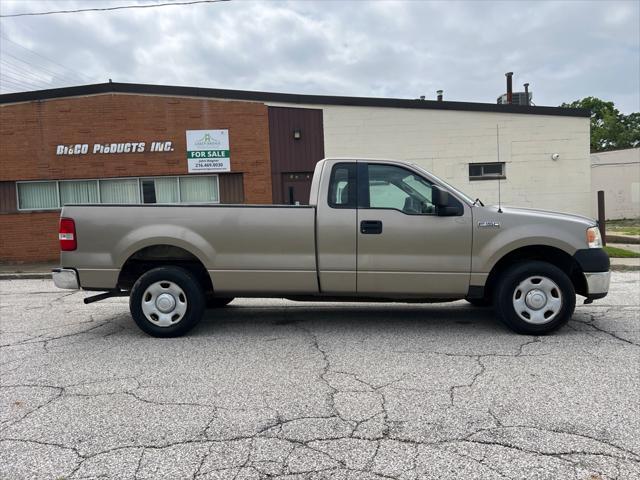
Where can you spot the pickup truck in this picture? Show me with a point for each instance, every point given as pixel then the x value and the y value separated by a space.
pixel 373 230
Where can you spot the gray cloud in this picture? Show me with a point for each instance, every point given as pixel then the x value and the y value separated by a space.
pixel 566 50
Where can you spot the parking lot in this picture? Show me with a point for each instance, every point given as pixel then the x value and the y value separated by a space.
pixel 279 389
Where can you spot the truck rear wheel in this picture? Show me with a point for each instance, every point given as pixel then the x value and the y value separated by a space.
pixel 166 302
pixel 534 298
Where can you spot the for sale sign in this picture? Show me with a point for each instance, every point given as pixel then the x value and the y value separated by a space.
pixel 208 151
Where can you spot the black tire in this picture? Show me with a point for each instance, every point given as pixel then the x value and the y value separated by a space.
pixel 217 302
pixel 510 290
pixel 191 297
pixel 480 302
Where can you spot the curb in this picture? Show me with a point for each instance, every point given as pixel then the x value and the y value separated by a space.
pixel 25 276
pixel 629 240
pixel 625 268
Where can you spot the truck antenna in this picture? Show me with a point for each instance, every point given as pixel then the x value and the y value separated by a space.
pixel 498 149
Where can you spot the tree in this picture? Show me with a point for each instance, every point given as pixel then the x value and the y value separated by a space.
pixel 610 129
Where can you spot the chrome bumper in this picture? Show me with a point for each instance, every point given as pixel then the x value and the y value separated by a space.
pixel 597 283
pixel 65 278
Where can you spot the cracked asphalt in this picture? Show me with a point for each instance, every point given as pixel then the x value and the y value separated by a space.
pixel 279 389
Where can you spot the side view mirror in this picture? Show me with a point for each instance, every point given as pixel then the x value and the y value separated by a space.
pixel 440 199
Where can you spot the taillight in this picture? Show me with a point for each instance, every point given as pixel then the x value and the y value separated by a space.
pixel 67 235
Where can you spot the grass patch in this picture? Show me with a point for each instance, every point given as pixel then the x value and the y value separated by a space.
pixel 629 226
pixel 615 252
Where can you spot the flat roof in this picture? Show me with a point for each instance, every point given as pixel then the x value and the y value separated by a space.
pixel 292 98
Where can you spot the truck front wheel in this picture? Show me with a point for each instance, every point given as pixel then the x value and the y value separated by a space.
pixel 166 302
pixel 534 298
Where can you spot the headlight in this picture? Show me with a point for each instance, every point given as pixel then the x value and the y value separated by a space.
pixel 594 240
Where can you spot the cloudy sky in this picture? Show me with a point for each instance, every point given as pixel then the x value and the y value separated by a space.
pixel 565 50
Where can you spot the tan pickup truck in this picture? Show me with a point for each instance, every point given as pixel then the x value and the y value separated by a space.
pixel 373 230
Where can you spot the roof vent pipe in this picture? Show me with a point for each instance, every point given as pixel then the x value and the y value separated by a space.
pixel 526 94
pixel 509 76
pixel 439 93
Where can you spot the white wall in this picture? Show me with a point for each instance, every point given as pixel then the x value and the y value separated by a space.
pixel 445 142
pixel 618 174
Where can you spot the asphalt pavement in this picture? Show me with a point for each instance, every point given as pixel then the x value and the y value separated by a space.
pixel 279 389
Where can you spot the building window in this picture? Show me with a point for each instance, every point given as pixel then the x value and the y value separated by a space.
pixel 486 171
pixel 125 190
pixel 199 189
pixel 78 191
pixel 160 190
pixel 51 195
pixel 38 196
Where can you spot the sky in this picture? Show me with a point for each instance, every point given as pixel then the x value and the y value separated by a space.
pixel 566 50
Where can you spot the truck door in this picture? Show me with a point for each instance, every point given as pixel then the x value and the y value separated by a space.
pixel 403 246
pixel 336 228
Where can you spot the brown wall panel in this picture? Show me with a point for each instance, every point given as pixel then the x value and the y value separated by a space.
pixel 291 155
pixel 8 202
pixel 231 190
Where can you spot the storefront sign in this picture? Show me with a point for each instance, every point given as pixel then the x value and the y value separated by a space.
pixel 208 151
pixel 123 147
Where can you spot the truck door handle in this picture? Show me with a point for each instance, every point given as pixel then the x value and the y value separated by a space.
pixel 371 227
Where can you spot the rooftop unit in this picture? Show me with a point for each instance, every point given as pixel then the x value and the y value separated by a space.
pixel 515 98
pixel 518 98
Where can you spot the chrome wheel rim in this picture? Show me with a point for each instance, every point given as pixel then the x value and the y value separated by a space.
pixel 164 303
pixel 537 300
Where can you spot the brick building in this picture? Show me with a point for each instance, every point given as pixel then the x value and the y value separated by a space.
pixel 130 143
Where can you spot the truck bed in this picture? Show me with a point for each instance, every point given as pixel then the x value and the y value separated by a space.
pixel 249 248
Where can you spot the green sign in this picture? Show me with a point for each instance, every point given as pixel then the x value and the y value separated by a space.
pixel 208 151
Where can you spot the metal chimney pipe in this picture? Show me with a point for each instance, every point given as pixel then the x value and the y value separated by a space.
pixel 526 94
pixel 439 93
pixel 509 76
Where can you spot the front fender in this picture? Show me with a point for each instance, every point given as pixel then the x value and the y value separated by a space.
pixel 490 246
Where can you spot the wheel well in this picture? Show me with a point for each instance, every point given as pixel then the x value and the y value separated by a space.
pixel 155 256
pixel 544 253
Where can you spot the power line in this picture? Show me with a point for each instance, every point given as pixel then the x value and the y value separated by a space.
pixel 33 84
pixel 79 75
pixel 42 69
pixel 108 9
pixel 26 71
pixel 8 69
pixel 14 84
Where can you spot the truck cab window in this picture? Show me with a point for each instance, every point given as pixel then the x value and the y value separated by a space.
pixel 399 189
pixel 342 186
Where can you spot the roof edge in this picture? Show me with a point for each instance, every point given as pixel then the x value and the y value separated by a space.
pixel 246 95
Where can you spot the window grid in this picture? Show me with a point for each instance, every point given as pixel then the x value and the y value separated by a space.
pixel 482 171
pixel 98 180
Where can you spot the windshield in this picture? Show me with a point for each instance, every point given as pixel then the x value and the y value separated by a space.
pixel 466 197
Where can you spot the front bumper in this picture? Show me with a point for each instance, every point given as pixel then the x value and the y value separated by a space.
pixel 65 278
pixel 594 262
pixel 597 284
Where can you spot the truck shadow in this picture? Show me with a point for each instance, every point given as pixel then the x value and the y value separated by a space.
pixel 458 316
